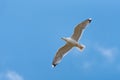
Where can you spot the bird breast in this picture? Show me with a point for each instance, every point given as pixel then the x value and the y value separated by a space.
pixel 71 41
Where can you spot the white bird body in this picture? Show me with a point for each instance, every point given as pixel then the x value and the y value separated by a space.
pixel 71 42
pixel 74 43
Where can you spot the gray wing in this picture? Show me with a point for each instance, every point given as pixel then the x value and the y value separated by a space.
pixel 61 52
pixel 79 29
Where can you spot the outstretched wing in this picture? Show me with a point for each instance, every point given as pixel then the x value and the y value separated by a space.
pixel 79 29
pixel 61 52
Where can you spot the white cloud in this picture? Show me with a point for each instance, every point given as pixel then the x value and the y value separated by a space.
pixel 13 76
pixel 10 75
pixel 108 53
pixel 87 65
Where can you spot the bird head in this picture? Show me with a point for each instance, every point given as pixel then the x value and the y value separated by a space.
pixel 63 39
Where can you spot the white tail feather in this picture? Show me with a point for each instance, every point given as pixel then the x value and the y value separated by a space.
pixel 81 47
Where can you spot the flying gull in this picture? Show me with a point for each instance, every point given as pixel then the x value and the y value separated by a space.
pixel 71 42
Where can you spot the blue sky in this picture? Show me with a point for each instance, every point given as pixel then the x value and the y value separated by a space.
pixel 31 31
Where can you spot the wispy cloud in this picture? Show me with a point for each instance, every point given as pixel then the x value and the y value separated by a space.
pixel 87 65
pixel 10 75
pixel 97 55
pixel 108 53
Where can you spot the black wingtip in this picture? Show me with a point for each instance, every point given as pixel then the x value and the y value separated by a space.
pixel 53 65
pixel 90 19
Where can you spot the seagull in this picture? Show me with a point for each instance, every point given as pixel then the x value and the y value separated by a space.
pixel 71 42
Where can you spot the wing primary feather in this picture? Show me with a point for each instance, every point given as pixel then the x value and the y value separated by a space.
pixel 79 29
pixel 60 53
